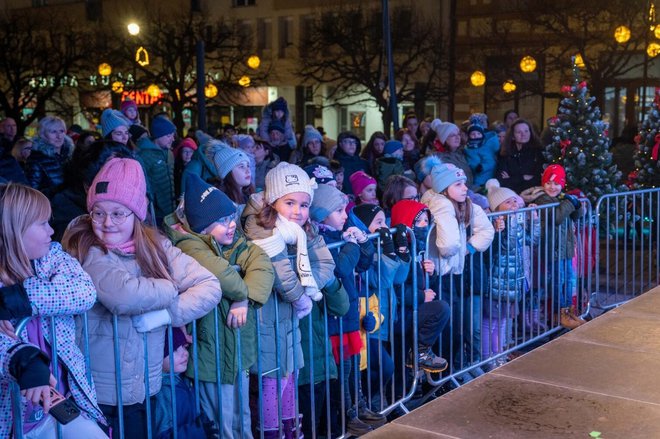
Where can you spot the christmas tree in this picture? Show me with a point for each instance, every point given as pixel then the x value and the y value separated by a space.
pixel 647 152
pixel 580 143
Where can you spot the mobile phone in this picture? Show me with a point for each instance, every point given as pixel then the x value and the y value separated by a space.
pixel 62 409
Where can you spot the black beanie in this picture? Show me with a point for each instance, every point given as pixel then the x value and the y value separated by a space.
pixel 204 204
pixel 366 213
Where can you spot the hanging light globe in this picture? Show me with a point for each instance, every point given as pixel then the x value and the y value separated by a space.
pixel 118 87
pixel 509 86
pixel 105 69
pixel 478 78
pixel 210 91
pixel 254 62
pixel 622 34
pixel 153 90
pixel 653 49
pixel 528 64
pixel 244 81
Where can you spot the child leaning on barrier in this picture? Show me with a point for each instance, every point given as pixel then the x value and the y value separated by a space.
pixel 205 229
pixel 432 313
pixel 462 229
pixel 190 424
pixel 277 220
pixel 38 279
pixel 328 212
pixel 507 272
pixel 143 283
pixel 560 238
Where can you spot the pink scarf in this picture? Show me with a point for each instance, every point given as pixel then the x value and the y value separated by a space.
pixel 128 247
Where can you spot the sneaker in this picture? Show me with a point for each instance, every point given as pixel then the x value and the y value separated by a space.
pixel 356 427
pixel 374 419
pixel 427 360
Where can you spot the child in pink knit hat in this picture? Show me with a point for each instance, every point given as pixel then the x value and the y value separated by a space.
pixel 143 284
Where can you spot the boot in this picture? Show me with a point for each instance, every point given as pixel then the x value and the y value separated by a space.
pixel 566 320
pixel 271 434
pixel 374 419
pixel 356 427
pixel 291 430
pixel 537 322
pixel 427 360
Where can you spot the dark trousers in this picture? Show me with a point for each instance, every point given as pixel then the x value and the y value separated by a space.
pixel 305 407
pixel 135 419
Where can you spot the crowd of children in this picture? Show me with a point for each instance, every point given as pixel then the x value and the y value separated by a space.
pixel 256 302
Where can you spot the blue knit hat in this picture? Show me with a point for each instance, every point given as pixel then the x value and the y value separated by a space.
pixel 445 175
pixel 204 204
pixel 276 125
pixel 327 199
pixel 392 146
pixel 111 119
pixel 161 126
pixel 279 104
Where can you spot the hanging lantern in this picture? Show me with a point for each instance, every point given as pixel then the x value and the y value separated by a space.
pixel 254 62
pixel 622 34
pixel 118 87
pixel 105 69
pixel 509 86
pixel 133 28
pixel 244 81
pixel 528 64
pixel 653 49
pixel 478 78
pixel 210 91
pixel 142 56
pixel 579 62
pixel 153 90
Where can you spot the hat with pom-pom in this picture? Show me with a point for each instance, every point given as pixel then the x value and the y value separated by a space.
pixel 406 212
pixel 555 173
pixel 497 194
pixel 423 167
pixel 445 175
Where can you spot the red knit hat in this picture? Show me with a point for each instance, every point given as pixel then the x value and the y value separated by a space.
pixel 554 173
pixel 406 212
pixel 187 142
pixel 121 181
pixel 360 180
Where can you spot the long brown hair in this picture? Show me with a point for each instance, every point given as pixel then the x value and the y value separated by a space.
pixel 236 193
pixel 267 217
pixel 79 238
pixel 463 210
pixel 509 145
pixel 20 207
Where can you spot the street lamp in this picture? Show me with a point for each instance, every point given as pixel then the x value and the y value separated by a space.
pixel 133 29
pixel 509 86
pixel 478 78
pixel 622 34
pixel 528 64
pixel 254 62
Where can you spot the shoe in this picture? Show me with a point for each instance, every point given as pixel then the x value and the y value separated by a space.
pixel 566 319
pixel 575 316
pixel 356 427
pixel 427 360
pixel 374 419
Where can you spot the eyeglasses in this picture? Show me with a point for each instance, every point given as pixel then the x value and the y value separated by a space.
pixel 226 220
pixel 117 218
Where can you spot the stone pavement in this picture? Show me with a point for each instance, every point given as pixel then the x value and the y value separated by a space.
pixel 600 378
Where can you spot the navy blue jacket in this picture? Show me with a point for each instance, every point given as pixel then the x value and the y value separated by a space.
pixel 349 259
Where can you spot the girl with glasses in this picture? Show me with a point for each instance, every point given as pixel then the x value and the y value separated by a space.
pixel 142 281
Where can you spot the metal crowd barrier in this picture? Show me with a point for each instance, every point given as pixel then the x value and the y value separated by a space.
pixel 528 318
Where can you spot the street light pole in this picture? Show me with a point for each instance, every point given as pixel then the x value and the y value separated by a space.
pixel 390 66
pixel 134 30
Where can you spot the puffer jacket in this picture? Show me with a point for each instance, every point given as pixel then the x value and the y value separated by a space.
pixel 245 272
pixel 260 171
pixel 124 292
pixel 527 161
pixel 508 265
pixel 451 238
pixel 44 169
pixel 267 117
pixel 159 170
pixel 60 289
pixel 560 236
pixel 288 289
pixel 483 159
pixel 385 167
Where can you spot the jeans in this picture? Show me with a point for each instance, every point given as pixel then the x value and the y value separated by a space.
pixel 562 282
pixel 135 418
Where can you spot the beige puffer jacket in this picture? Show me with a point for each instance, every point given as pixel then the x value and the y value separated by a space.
pixel 124 292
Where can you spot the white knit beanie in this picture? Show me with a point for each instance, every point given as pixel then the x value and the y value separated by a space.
pixel 285 179
pixel 446 129
pixel 226 158
pixel 496 194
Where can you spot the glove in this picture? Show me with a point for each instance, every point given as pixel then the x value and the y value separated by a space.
pixel 313 293
pixel 401 242
pixel 151 320
pixel 369 322
pixel 386 243
pixel 14 303
pixel 574 201
pixel 302 306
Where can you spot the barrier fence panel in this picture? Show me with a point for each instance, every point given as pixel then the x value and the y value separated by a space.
pixel 506 298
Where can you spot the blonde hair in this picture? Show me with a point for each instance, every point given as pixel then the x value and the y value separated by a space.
pixel 20 207
pixel 79 238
